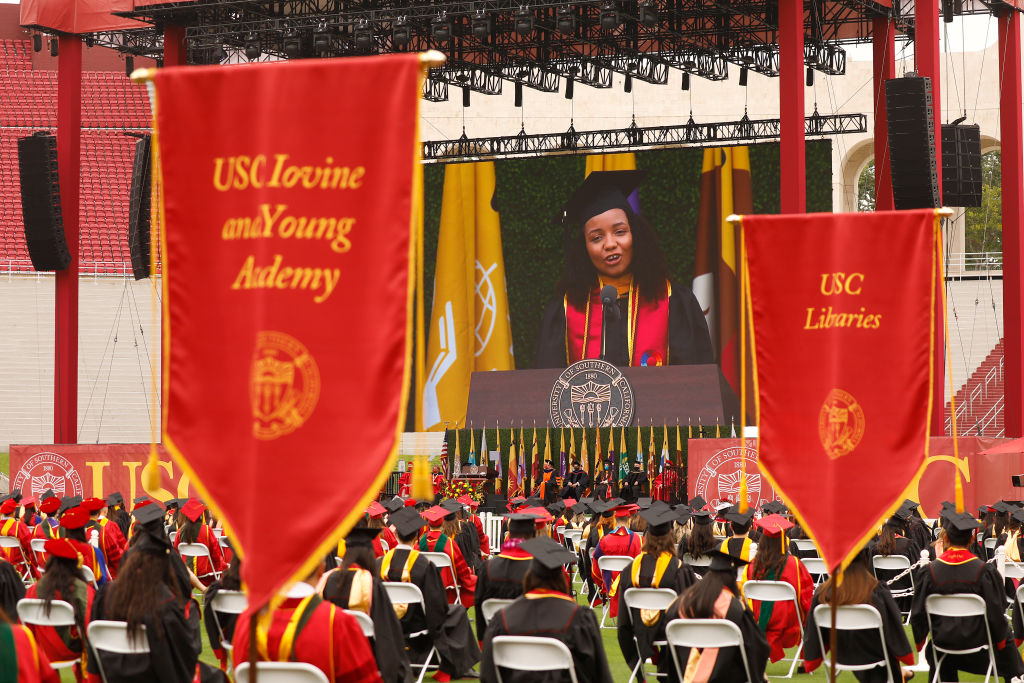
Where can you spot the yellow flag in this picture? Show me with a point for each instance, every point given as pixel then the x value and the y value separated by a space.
pixel 584 456
pixel 626 161
pixel 622 442
pixel 469 322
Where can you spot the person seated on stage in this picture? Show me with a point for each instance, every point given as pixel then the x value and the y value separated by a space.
pixel 502 575
pixel 439 482
pixel 546 609
pixel 49 527
pixel 194 529
pixel 24 661
pixel 717 596
pixel 111 540
pixel 604 487
pixel 375 520
pixel 306 628
pixel 656 567
pixel 447 626
pixel 577 482
pixel 619 541
pixel 405 481
pixel 355 585
pixel 437 539
pixel 635 484
pixel 700 541
pixel 230 580
pixel 12 526
pixel 958 570
pixel 739 544
pixel 607 243
pixel 549 486
pixel 860 587
pixel 147 594
pixel 62 580
pixel 892 541
pixel 774 563
pixel 73 526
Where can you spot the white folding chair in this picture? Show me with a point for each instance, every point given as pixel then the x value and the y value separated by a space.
pixel 364 621
pixel 895 563
pixel 384 545
pixel 990 544
pixel 657 599
pixel 613 564
pixel 39 552
pixel 816 568
pixel 227 602
pixel 1014 570
pixel 702 561
pixel 955 606
pixel 702 633
pixel 281 672
pixel 492 606
pixel 87 574
pixel 442 562
pixel 197 550
pixel 401 593
pixel 112 636
pixel 572 539
pixel 171 535
pixel 853 618
pixel 33 611
pixel 778 591
pixel 530 653
pixel 10 544
pixel 805 545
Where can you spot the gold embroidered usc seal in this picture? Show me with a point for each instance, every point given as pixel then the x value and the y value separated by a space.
pixel 284 385
pixel 840 423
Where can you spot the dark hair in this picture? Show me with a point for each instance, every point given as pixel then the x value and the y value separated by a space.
pixel 408 540
pixel 1001 518
pixel 857 586
pixel 770 558
pixel 525 535
pixel 231 580
pixel 961 539
pixel 59 577
pixel 887 539
pixel 698 602
pixel 140 590
pixel 188 532
pixel 656 545
pixel 359 555
pixel 648 264
pixel 701 540
pixel 738 528
pixel 76 534
pixel 554 581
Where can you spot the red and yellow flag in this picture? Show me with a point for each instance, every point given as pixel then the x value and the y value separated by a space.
pixel 842 346
pixel 287 249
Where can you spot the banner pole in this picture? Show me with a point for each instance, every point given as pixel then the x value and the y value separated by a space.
pixel 743 368
pixel 958 484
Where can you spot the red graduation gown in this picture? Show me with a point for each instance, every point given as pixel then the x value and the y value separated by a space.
pixel 465 576
pixel 48 637
pixel 782 629
pixel 33 665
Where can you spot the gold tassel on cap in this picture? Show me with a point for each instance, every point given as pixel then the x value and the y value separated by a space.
pixel 422 487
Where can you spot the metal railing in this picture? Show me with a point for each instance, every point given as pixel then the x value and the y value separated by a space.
pixel 979 395
pixel 85 268
pixel 972 262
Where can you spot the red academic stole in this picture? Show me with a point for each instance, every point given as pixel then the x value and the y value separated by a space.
pixel 647 331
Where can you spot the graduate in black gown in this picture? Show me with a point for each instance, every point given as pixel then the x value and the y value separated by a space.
pixel 700 541
pixel 12 589
pixel 502 575
pixel 860 587
pixel 577 482
pixel 355 585
pixel 958 570
pixel 447 625
pixel 635 484
pixel 893 541
pixel 717 596
pixel 231 580
pixel 655 567
pixel 547 610
pixel 606 243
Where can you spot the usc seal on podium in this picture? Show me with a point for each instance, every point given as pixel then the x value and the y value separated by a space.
pixel 591 393
pixel 284 385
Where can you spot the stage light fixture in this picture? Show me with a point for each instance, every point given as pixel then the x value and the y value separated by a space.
pixel 481 25
pixel 568 88
pixel 809 79
pixel 524 21
pixel 689 64
pixel 566 21
pixel 743 76
pixel 252 47
pixel 54 49
pixel 322 39
pixel 465 97
pixel 648 14
pixel 441 28
pixel 609 16
pixel 401 33
pixel 89 41
pixel 292 44
pixel 362 36
pixel 129 65
pixel 628 84
pixel 37 42
pixel 686 81
pixel 519 94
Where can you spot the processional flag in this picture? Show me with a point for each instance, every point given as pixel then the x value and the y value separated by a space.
pixel 287 236
pixel 842 347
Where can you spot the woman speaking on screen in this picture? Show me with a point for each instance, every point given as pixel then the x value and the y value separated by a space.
pixel 608 245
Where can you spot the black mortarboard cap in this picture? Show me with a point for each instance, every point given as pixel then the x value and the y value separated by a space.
pixel 153 540
pixel 702 517
pixel 580 508
pixel 175 503
pixel 16 495
pixel 148 513
pixel 734 515
pixel 361 535
pixel 521 523
pixel 683 514
pixel 659 520
pixel 961 521
pixel 1018 515
pixel 115 498
pixel 644 503
pixel 774 507
pixel 534 502
pixel 407 522
pixel 600 192
pixel 603 508
pixel 548 556
pixel 697 502
pixel 1002 507
pixel 394 505
pixel 946 505
pixel 451 505
pixel 140 499
pixel 48 493
pixel 556 508
pixel 721 562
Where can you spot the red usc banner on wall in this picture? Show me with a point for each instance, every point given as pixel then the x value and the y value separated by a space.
pixel 288 200
pixel 841 309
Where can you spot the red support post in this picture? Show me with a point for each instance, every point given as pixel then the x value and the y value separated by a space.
pixel 175 48
pixel 926 57
pixel 1011 139
pixel 792 162
pixel 69 131
pixel 883 40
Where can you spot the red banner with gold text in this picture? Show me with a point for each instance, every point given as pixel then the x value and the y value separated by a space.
pixel 841 308
pixel 288 198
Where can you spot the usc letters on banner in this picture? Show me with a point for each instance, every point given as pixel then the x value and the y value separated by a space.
pixel 842 309
pixel 287 206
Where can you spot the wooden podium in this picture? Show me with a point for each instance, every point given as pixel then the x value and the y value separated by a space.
pixel 662 395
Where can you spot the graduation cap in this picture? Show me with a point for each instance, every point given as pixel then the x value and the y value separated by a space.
pixel 435 515
pixel 361 535
pixel 702 517
pixel 49 505
pixel 1002 507
pixel 542 515
pixel 75 518
pixel 961 521
pixel 94 504
pixel 16 495
pixel 659 520
pixel 548 556
pixel 1018 515
pixel 48 493
pixel 8 506
pixel 724 562
pixel 375 509
pixel 774 507
pixel 734 515
pixel 603 508
pixel 697 502
pixel 773 525
pixel 600 192
pixel 451 505
pixel 569 502
pixel 174 503
pixel 28 501
pixel 68 502
pixel 61 547
pixel 394 505
pixel 407 522
pixel 193 509
pixel 556 508
pixel 534 502
pixel 519 523
pixel 140 499
pixel 148 514
pixel 115 498
pixel 644 503
pixel 682 513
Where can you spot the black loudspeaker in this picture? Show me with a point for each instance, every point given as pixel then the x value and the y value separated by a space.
pixel 40 202
pixel 493 503
pixel 915 176
pixel 138 212
pixel 961 165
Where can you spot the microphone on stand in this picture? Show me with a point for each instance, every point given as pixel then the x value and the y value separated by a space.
pixel 610 311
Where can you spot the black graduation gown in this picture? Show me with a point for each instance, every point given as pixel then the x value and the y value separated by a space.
pixel 174 646
pixel 683 549
pixel 862 647
pixel 688 338
pixel 550 615
pixel 958 571
pixel 469 545
pixel 576 484
pixel 501 577
pixel 678 577
pixel 728 664
pixel 908 549
pixel 12 589
pixel 447 625
pixel 388 640
pixel 919 533
pixel 227 620
pixel 634 486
